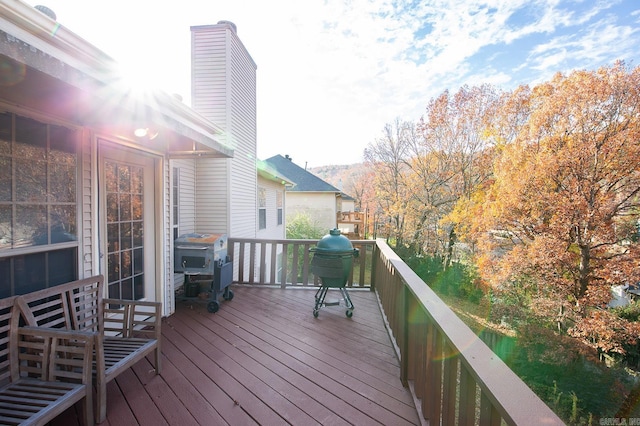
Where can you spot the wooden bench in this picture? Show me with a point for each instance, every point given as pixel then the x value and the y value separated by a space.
pixel 127 330
pixel 43 372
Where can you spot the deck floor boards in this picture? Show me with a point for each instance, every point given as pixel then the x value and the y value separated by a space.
pixel 264 359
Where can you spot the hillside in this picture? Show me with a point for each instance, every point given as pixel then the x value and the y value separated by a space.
pixel 342 176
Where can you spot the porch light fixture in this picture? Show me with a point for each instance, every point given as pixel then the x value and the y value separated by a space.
pixel 142 132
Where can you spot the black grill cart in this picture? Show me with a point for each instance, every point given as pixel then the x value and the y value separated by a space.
pixel 203 259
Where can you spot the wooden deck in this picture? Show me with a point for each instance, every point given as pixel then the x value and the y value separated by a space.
pixel 264 359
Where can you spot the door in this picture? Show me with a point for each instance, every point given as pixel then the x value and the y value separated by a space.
pixel 127 221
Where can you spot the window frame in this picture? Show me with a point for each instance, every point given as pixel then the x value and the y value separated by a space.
pixel 262 208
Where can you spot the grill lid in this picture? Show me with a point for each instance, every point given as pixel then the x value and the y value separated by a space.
pixel 334 243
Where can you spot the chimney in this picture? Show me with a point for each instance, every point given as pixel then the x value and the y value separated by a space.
pixel 44 9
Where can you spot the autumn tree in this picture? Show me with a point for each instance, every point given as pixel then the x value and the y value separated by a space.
pixel 448 161
pixel 563 208
pixel 387 158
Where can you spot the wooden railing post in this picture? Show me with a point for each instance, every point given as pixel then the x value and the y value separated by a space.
pixel 404 346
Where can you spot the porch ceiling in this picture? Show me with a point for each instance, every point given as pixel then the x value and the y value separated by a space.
pixel 48 69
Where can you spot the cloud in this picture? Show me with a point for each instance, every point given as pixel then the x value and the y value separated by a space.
pixel 332 73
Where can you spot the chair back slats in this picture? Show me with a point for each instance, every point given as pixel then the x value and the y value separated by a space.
pixel 6 314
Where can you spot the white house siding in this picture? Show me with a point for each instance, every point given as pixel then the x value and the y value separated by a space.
pixel 186 211
pixel 224 91
pixel 88 215
pixel 273 231
pixel 168 289
pixel 212 196
pixel 319 206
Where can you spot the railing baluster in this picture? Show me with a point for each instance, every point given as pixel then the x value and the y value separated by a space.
pixel 449 386
pixel 285 269
pixel 272 264
pixel 467 408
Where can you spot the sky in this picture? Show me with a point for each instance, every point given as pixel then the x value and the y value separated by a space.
pixel 332 73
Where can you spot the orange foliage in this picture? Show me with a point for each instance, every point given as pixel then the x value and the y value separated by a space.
pixel 566 184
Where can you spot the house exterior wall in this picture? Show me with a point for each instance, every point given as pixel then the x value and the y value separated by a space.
pixel 86 163
pixel 224 91
pixel 273 230
pixel 319 206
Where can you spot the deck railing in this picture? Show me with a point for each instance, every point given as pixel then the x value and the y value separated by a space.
pixel 456 378
pixel 287 262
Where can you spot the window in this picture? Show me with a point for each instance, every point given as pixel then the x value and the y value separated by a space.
pixel 38 204
pixel 262 208
pixel 279 206
pixel 175 202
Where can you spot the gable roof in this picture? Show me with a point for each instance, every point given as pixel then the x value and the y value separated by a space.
pixel 304 181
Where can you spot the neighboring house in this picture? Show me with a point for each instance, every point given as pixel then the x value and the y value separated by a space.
pixel 271 202
pixel 309 195
pixel 350 221
pixel 92 177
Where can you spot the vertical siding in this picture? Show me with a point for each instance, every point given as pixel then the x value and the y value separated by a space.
pixel 166 295
pixel 224 91
pixel 212 195
pixel 88 172
pixel 186 195
pixel 186 209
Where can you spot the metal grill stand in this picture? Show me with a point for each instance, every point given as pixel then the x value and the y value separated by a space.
pixel 203 259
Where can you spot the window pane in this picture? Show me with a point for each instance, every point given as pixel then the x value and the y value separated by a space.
pixel 114 243
pixel 114 267
pixel 30 273
pixel 5 133
pixel 126 267
pixel 125 236
pixel 262 197
pixel 62 143
pixel 112 208
pixel 5 278
pixel 62 266
pixel 136 180
pixel 62 183
pixel 136 207
pixel 137 233
pixel 125 206
pixel 63 224
pixel 110 172
pixel 5 178
pixel 31 181
pixel 138 261
pixel 127 289
pixel 262 219
pixel 5 227
pixel 138 284
pixel 31 139
pixel 114 291
pixel 124 178
pixel 31 226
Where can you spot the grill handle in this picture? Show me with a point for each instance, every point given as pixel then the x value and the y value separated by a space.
pixel 192 247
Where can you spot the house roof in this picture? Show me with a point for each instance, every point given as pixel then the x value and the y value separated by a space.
pixel 268 172
pixel 304 181
pixel 67 75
